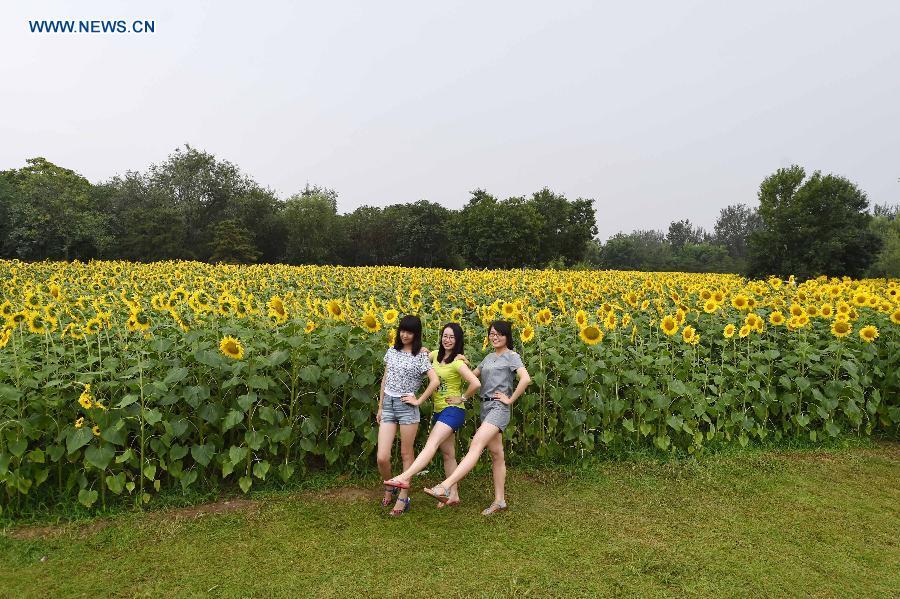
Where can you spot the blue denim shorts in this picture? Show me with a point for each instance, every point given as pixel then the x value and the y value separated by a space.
pixel 394 411
pixel 451 416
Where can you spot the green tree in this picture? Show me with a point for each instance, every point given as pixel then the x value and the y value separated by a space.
pixel 421 236
pixel 313 229
pixel 682 232
pixel 733 229
pixel 566 226
pixel 639 250
pixel 53 213
pixel 812 226
pixel 233 243
pixel 492 234
pixel 368 238
pixel 886 225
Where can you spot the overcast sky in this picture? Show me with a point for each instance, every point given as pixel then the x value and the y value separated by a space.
pixel 656 110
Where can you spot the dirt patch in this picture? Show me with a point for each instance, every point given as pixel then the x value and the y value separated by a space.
pixel 33 533
pixel 345 494
pixel 224 506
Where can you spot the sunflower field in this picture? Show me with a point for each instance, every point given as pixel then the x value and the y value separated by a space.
pixel 124 379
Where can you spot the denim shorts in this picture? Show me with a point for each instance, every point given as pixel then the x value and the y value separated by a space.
pixel 452 416
pixel 397 412
pixel 495 412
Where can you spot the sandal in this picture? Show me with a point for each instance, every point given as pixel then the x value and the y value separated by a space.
pixel 442 497
pixel 441 505
pixel 400 512
pixel 393 491
pixel 494 508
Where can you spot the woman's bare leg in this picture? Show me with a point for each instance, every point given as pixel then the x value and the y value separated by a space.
pixel 438 435
pixel 498 468
pixel 482 437
pixel 387 432
pixel 407 454
pixel 448 448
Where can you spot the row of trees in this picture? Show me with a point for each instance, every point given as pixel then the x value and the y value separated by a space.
pixel 805 226
pixel 194 206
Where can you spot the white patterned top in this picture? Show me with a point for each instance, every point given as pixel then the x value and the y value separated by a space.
pixel 404 372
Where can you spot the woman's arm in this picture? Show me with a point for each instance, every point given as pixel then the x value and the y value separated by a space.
pixel 381 397
pixel 524 381
pixel 471 390
pixel 433 383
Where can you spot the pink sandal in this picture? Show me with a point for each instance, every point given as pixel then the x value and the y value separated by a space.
pixel 397 484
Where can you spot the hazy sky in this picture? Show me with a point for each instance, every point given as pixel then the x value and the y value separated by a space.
pixel 657 110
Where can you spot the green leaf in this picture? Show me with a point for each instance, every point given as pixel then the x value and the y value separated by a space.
pixel 188 479
pixel 116 483
pixel 36 456
pixel 344 438
pixel 18 447
pixel 99 457
pixel 152 416
pixel 177 451
pixel 176 375
pixel 237 454
pixel 78 438
pixel 254 439
pixel 246 400
pixel 245 483
pixel 202 454
pixel 285 472
pixel 55 452
pixel 87 498
pixel 127 401
pixel 124 456
pixel 260 469
pixel 232 419
pixel 833 429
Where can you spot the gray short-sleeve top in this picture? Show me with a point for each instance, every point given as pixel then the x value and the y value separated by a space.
pixel 404 371
pixel 498 373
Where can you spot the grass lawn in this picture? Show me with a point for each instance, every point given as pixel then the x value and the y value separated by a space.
pixel 822 524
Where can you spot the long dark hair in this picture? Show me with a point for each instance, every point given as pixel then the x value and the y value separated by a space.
pixel 410 324
pixel 503 327
pixel 457 347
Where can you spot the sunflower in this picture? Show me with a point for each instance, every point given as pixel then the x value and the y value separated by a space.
pixel 591 335
pixel 544 316
pixel 277 311
pixel 389 316
pixel 739 302
pixel 776 318
pixel 6 310
pixel 37 324
pixel 92 326
pixel 745 330
pixel 710 306
pixel 797 310
pixel 868 334
pixel 508 310
pixel 335 310
pixel 85 399
pixel 729 331
pixel 392 338
pixel 826 311
pixel 310 326
pixel 841 328
pixel 527 334
pixel 4 337
pixel 231 347
pixel 669 325
pixel 370 322
pixel 96 430
pixel 895 316
pixel 79 422
pixel 610 322
pixel 456 315
pixel 751 320
pixel 581 318
pixel 688 333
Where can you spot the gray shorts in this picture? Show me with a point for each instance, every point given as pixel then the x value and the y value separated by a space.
pixel 397 412
pixel 495 412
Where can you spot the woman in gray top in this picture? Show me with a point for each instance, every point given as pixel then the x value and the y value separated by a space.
pixel 497 372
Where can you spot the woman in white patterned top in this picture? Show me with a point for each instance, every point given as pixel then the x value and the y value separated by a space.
pixel 398 406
